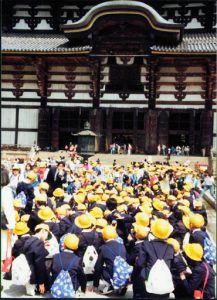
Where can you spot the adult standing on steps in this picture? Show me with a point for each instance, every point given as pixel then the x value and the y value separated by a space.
pixel 56 177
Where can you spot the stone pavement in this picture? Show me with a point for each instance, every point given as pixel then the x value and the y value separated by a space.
pixel 15 291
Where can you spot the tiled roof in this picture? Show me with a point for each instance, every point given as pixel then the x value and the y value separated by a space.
pixel 38 43
pixel 191 43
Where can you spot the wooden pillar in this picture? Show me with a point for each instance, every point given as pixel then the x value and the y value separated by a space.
pixel 192 132
pixel 55 128
pixel 151 121
pixel 206 125
pixel 96 125
pixel 163 128
pixel 109 113
pixel 44 131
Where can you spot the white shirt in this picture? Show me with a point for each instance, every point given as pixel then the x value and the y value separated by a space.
pixel 7 206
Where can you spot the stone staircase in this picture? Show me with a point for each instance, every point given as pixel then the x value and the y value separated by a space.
pixel 124 159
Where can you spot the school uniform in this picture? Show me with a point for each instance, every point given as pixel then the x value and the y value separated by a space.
pixel 76 272
pixel 35 253
pixel 149 252
pixel 34 220
pixel 64 224
pixel 28 190
pixel 106 255
pixel 178 265
pixel 89 238
pixel 195 281
pixel 18 245
pixel 198 236
pixel 202 212
pixel 137 280
pixel 54 227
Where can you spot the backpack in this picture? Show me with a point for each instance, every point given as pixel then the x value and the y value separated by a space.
pixel 20 270
pixel 160 278
pixel 121 271
pixel 90 257
pixel 22 196
pixel 63 286
pixel 209 251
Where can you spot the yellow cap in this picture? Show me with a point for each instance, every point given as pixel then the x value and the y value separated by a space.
pixel 194 251
pixel 97 212
pixel 66 206
pixel 42 164
pixel 155 187
pixel 44 186
pixel 186 221
pixel 25 218
pixel 161 228
pixel 21 228
pixel 142 219
pixel 71 241
pixel 45 213
pixel 42 226
pixel 171 198
pixel 83 221
pixel 58 192
pixel 101 222
pixel 110 180
pixel 81 207
pixel 31 175
pixel 122 208
pixel 79 198
pixel 17 203
pixel 41 198
pixel 60 211
pixel 141 232
pixel 123 194
pixel 174 243
pixel 105 197
pixel 158 204
pixel 109 232
pixel 89 188
pixel 185 209
pixel 184 202
pixel 197 220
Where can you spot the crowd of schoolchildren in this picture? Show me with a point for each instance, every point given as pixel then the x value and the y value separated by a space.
pixel 142 224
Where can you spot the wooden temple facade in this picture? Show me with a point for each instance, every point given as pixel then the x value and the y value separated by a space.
pixel 142 72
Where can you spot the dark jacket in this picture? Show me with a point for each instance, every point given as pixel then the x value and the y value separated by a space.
pixel 54 228
pixel 35 255
pixel 87 239
pixel 198 236
pixel 195 281
pixel 28 190
pixel 75 271
pixel 34 220
pixel 107 254
pixel 55 181
pixel 18 245
pixel 150 251
pixel 64 225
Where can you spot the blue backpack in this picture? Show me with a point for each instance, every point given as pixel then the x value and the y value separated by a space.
pixel 209 251
pixel 62 286
pixel 22 196
pixel 121 271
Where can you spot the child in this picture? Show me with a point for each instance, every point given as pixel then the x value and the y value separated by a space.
pixel 78 278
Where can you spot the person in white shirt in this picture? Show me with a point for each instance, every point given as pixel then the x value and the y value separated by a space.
pixel 208 184
pixel 15 177
pixel 7 213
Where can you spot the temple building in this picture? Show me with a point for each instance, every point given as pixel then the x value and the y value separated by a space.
pixel 141 72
